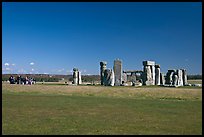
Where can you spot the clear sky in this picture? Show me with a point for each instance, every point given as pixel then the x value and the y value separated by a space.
pixel 55 37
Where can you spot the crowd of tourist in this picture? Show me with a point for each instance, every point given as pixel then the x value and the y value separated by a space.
pixel 20 80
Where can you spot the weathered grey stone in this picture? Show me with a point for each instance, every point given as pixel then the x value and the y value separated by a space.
pixel 109 77
pixel 148 74
pixel 107 73
pixel 124 78
pixel 143 77
pixel 148 63
pixel 185 82
pixel 112 78
pixel 153 74
pixel 175 79
pixel 102 69
pixel 180 77
pixel 171 77
pixel 139 84
pixel 118 72
pixel 133 78
pixel 197 85
pixel 79 78
pixel 162 79
pixel 75 76
pixel 169 74
pixel 157 74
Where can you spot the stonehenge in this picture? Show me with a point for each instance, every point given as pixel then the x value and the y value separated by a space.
pixel 150 75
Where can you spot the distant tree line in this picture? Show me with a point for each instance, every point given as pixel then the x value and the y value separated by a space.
pixel 194 77
pixel 88 78
pixel 53 78
pixel 37 77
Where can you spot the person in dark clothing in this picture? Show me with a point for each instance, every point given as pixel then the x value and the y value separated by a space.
pixel 24 81
pixel 19 79
pixel 11 80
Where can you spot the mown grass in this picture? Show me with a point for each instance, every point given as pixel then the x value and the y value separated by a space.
pixel 44 109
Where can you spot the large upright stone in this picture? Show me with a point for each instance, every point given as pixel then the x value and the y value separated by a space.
pixel 180 77
pixel 75 76
pixel 162 79
pixel 169 76
pixel 107 74
pixel 185 82
pixel 79 78
pixel 102 69
pixel 157 74
pixel 109 78
pixel 148 75
pixel 112 78
pixel 153 74
pixel 118 72
pixel 175 79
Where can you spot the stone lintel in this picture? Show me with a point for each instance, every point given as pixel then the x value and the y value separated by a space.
pixel 157 66
pixel 103 63
pixel 75 69
pixel 148 63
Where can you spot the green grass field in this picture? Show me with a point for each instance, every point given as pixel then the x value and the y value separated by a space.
pixel 73 110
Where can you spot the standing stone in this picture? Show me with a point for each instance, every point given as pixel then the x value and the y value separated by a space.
pixel 106 77
pixel 118 72
pixel 124 77
pixel 75 76
pixel 169 76
pixel 153 74
pixel 157 74
pixel 162 79
pixel 149 73
pixel 180 77
pixel 112 78
pixel 79 78
pixel 102 69
pixel 133 78
pixel 175 79
pixel 144 76
pixel 109 77
pixel 185 82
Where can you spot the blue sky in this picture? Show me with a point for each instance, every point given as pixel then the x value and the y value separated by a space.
pixel 55 37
